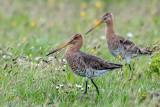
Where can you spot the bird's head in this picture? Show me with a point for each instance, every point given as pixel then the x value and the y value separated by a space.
pixel 76 38
pixel 107 17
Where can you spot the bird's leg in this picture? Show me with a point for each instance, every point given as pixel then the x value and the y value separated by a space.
pixel 85 92
pixel 120 61
pixel 95 86
pixel 132 72
pixel 128 62
pixel 130 67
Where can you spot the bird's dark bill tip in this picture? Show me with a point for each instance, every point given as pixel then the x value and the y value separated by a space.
pixel 51 52
pixel 89 31
pixel 48 54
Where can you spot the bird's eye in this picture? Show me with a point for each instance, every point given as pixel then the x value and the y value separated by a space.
pixel 75 37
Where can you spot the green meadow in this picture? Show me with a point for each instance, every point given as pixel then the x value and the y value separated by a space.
pixel 29 29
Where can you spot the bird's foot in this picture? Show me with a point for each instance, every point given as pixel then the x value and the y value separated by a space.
pixel 84 95
pixel 97 91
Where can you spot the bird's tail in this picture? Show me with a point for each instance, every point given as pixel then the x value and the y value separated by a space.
pixel 115 66
pixel 146 52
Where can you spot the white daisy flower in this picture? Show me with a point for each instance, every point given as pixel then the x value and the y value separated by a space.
pixel 37 58
pixel 130 35
pixel 4 56
pixel 78 86
pixel 103 37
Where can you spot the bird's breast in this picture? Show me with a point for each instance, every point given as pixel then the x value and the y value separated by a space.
pixel 71 59
pixel 112 44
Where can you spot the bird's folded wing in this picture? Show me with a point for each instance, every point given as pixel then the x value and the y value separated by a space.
pixel 97 63
pixel 129 45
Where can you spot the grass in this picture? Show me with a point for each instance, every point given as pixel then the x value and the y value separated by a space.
pixel 30 29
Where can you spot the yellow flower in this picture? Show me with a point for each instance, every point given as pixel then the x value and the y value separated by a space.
pixel 32 24
pixel 24 39
pixel 60 67
pixel 14 23
pixel 35 64
pixel 83 5
pixel 83 14
pixel 30 55
pixel 93 51
pixel 98 4
pixel 119 57
pixel 95 22
pixel 157 52
pixel 144 95
pixel 156 41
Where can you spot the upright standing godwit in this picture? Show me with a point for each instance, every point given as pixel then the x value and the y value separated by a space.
pixel 119 46
pixel 84 64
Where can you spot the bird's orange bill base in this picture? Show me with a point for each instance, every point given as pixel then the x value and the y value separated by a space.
pixel 99 23
pixel 66 44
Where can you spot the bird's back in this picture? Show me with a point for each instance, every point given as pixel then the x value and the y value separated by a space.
pixel 98 63
pixel 88 65
pixel 126 48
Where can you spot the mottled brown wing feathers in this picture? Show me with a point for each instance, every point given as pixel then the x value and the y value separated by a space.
pixel 131 47
pixel 77 62
pixel 97 63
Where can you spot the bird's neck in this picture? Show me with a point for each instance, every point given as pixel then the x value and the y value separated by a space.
pixel 75 47
pixel 110 29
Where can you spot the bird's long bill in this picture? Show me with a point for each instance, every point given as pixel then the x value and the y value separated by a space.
pixel 66 44
pixel 99 23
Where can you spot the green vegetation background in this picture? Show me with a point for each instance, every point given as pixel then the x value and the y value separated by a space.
pixel 29 29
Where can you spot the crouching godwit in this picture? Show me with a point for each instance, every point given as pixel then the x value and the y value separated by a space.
pixel 83 64
pixel 119 46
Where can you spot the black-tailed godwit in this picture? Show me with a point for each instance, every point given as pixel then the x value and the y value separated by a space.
pixel 83 64
pixel 119 46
